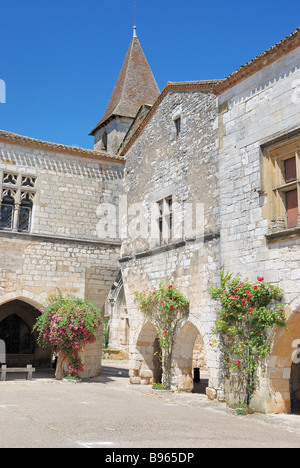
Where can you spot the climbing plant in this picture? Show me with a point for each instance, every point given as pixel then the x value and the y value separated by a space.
pixel 166 308
pixel 68 323
pixel 248 312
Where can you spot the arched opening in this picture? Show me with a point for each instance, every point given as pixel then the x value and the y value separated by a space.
pixel 146 365
pixel 16 322
pixel 190 372
pixel 284 369
pixel 117 320
pixel 295 386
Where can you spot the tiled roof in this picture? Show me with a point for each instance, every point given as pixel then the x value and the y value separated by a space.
pixel 135 86
pixel 274 53
pixel 26 141
pixel 193 86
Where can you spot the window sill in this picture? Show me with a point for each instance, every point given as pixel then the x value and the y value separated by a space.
pixel 292 232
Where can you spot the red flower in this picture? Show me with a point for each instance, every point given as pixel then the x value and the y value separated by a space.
pixel 260 278
pixel 170 286
pixel 251 310
pixel 255 287
pixel 172 307
pixel 166 333
pixel 238 363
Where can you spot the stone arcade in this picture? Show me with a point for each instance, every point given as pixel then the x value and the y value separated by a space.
pixel 224 151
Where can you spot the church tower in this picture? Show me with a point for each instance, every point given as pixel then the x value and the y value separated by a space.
pixel 135 87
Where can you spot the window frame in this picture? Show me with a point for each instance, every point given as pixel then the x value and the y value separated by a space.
pixel 177 122
pixel 275 184
pixel 165 220
pixel 22 189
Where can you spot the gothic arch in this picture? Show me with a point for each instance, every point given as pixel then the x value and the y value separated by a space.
pixel 25 296
pixel 145 366
pixel 284 347
pixel 189 353
pixel 18 314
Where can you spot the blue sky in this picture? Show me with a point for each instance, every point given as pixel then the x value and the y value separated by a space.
pixel 60 59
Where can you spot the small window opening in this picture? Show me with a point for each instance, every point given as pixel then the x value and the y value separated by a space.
pixel 178 126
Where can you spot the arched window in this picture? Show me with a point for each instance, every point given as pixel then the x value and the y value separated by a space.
pixel 25 212
pixel 7 212
pixel 17 197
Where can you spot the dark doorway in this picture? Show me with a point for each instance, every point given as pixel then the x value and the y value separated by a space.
pixel 295 388
pixel 16 335
pixel 17 319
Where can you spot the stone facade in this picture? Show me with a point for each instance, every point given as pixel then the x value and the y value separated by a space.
pixel 162 164
pixel 63 247
pixel 261 110
pixel 211 178
pixel 232 160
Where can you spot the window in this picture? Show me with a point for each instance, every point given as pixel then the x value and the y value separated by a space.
pixel 178 126
pixel 17 197
pixel 283 185
pixel 165 220
pixel 104 142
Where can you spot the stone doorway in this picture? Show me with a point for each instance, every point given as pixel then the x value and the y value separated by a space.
pixel 295 388
pixel 284 369
pixel 16 322
pixel 190 372
pixel 145 364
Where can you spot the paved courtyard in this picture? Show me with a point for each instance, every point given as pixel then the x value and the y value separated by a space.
pixel 108 413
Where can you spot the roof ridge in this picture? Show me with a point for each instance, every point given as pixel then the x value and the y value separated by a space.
pixel 56 146
pixel 126 75
pixel 291 42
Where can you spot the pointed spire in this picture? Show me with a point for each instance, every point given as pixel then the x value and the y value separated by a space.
pixel 135 86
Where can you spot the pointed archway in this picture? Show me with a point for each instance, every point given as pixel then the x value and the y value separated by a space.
pixel 283 369
pixel 16 322
pixel 146 366
pixel 189 356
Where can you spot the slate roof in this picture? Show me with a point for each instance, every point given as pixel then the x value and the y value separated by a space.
pixel 135 86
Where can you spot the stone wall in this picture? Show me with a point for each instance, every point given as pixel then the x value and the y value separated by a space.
pixel 259 110
pixel 65 247
pixel 161 164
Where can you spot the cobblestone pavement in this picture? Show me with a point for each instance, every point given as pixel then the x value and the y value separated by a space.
pixel 108 412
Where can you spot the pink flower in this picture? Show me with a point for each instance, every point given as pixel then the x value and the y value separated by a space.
pixel 260 278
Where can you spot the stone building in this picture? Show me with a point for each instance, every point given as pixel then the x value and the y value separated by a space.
pixel 259 150
pixel 51 237
pixel 232 147
pixel 180 182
